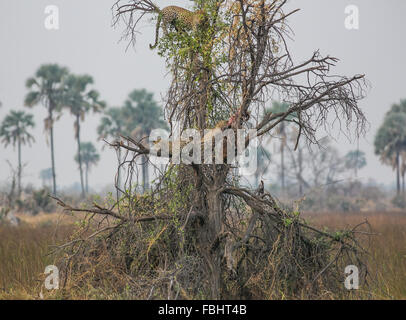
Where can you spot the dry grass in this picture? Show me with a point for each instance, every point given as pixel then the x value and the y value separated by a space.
pixel 387 249
pixel 23 253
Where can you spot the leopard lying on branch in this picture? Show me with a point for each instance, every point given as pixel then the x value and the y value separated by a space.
pixel 179 18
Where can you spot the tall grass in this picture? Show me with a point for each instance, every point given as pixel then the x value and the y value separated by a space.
pixel 387 259
pixel 23 254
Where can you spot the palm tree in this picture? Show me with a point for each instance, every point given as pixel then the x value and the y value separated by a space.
pixel 398 107
pixel 401 108
pixel 403 172
pixel 46 175
pixel 111 126
pixel 138 117
pixel 80 100
pixel 281 107
pixel 14 130
pixel 355 160
pixel 142 114
pixel 89 157
pixel 390 142
pixel 263 160
pixel 46 88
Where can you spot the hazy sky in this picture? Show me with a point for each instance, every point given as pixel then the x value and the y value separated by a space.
pixel 86 43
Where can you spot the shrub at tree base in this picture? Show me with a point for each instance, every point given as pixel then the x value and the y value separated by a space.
pixel 135 256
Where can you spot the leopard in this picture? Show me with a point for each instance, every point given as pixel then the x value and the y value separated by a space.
pixel 179 18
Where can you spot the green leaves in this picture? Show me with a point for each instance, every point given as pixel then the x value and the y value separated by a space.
pixel 391 136
pixel 46 86
pixel 112 124
pixel 341 235
pixel 31 82
pixel 282 107
pixel 390 140
pixel 355 160
pixel 88 153
pixel 140 111
pixel 32 98
pixel 78 98
pixel 288 222
pixel 15 127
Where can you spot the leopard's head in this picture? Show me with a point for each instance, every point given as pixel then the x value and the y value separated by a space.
pixel 200 18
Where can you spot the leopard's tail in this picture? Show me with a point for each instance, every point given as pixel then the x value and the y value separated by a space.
pixel 154 7
pixel 158 25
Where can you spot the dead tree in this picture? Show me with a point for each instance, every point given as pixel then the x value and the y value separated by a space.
pixel 228 72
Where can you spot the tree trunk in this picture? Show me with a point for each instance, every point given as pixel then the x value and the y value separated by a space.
pixel 119 169
pixel 79 155
pixel 52 150
pixel 145 174
pixel 300 163
pixel 283 134
pixel 209 201
pixel 397 173
pixel 256 177
pixel 19 167
pixel 87 178
pixel 208 236
pixel 282 168
pixel 215 227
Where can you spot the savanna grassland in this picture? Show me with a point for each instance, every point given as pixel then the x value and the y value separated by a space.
pixel 387 249
pixel 24 254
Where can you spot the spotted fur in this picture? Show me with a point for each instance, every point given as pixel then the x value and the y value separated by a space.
pixel 179 18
